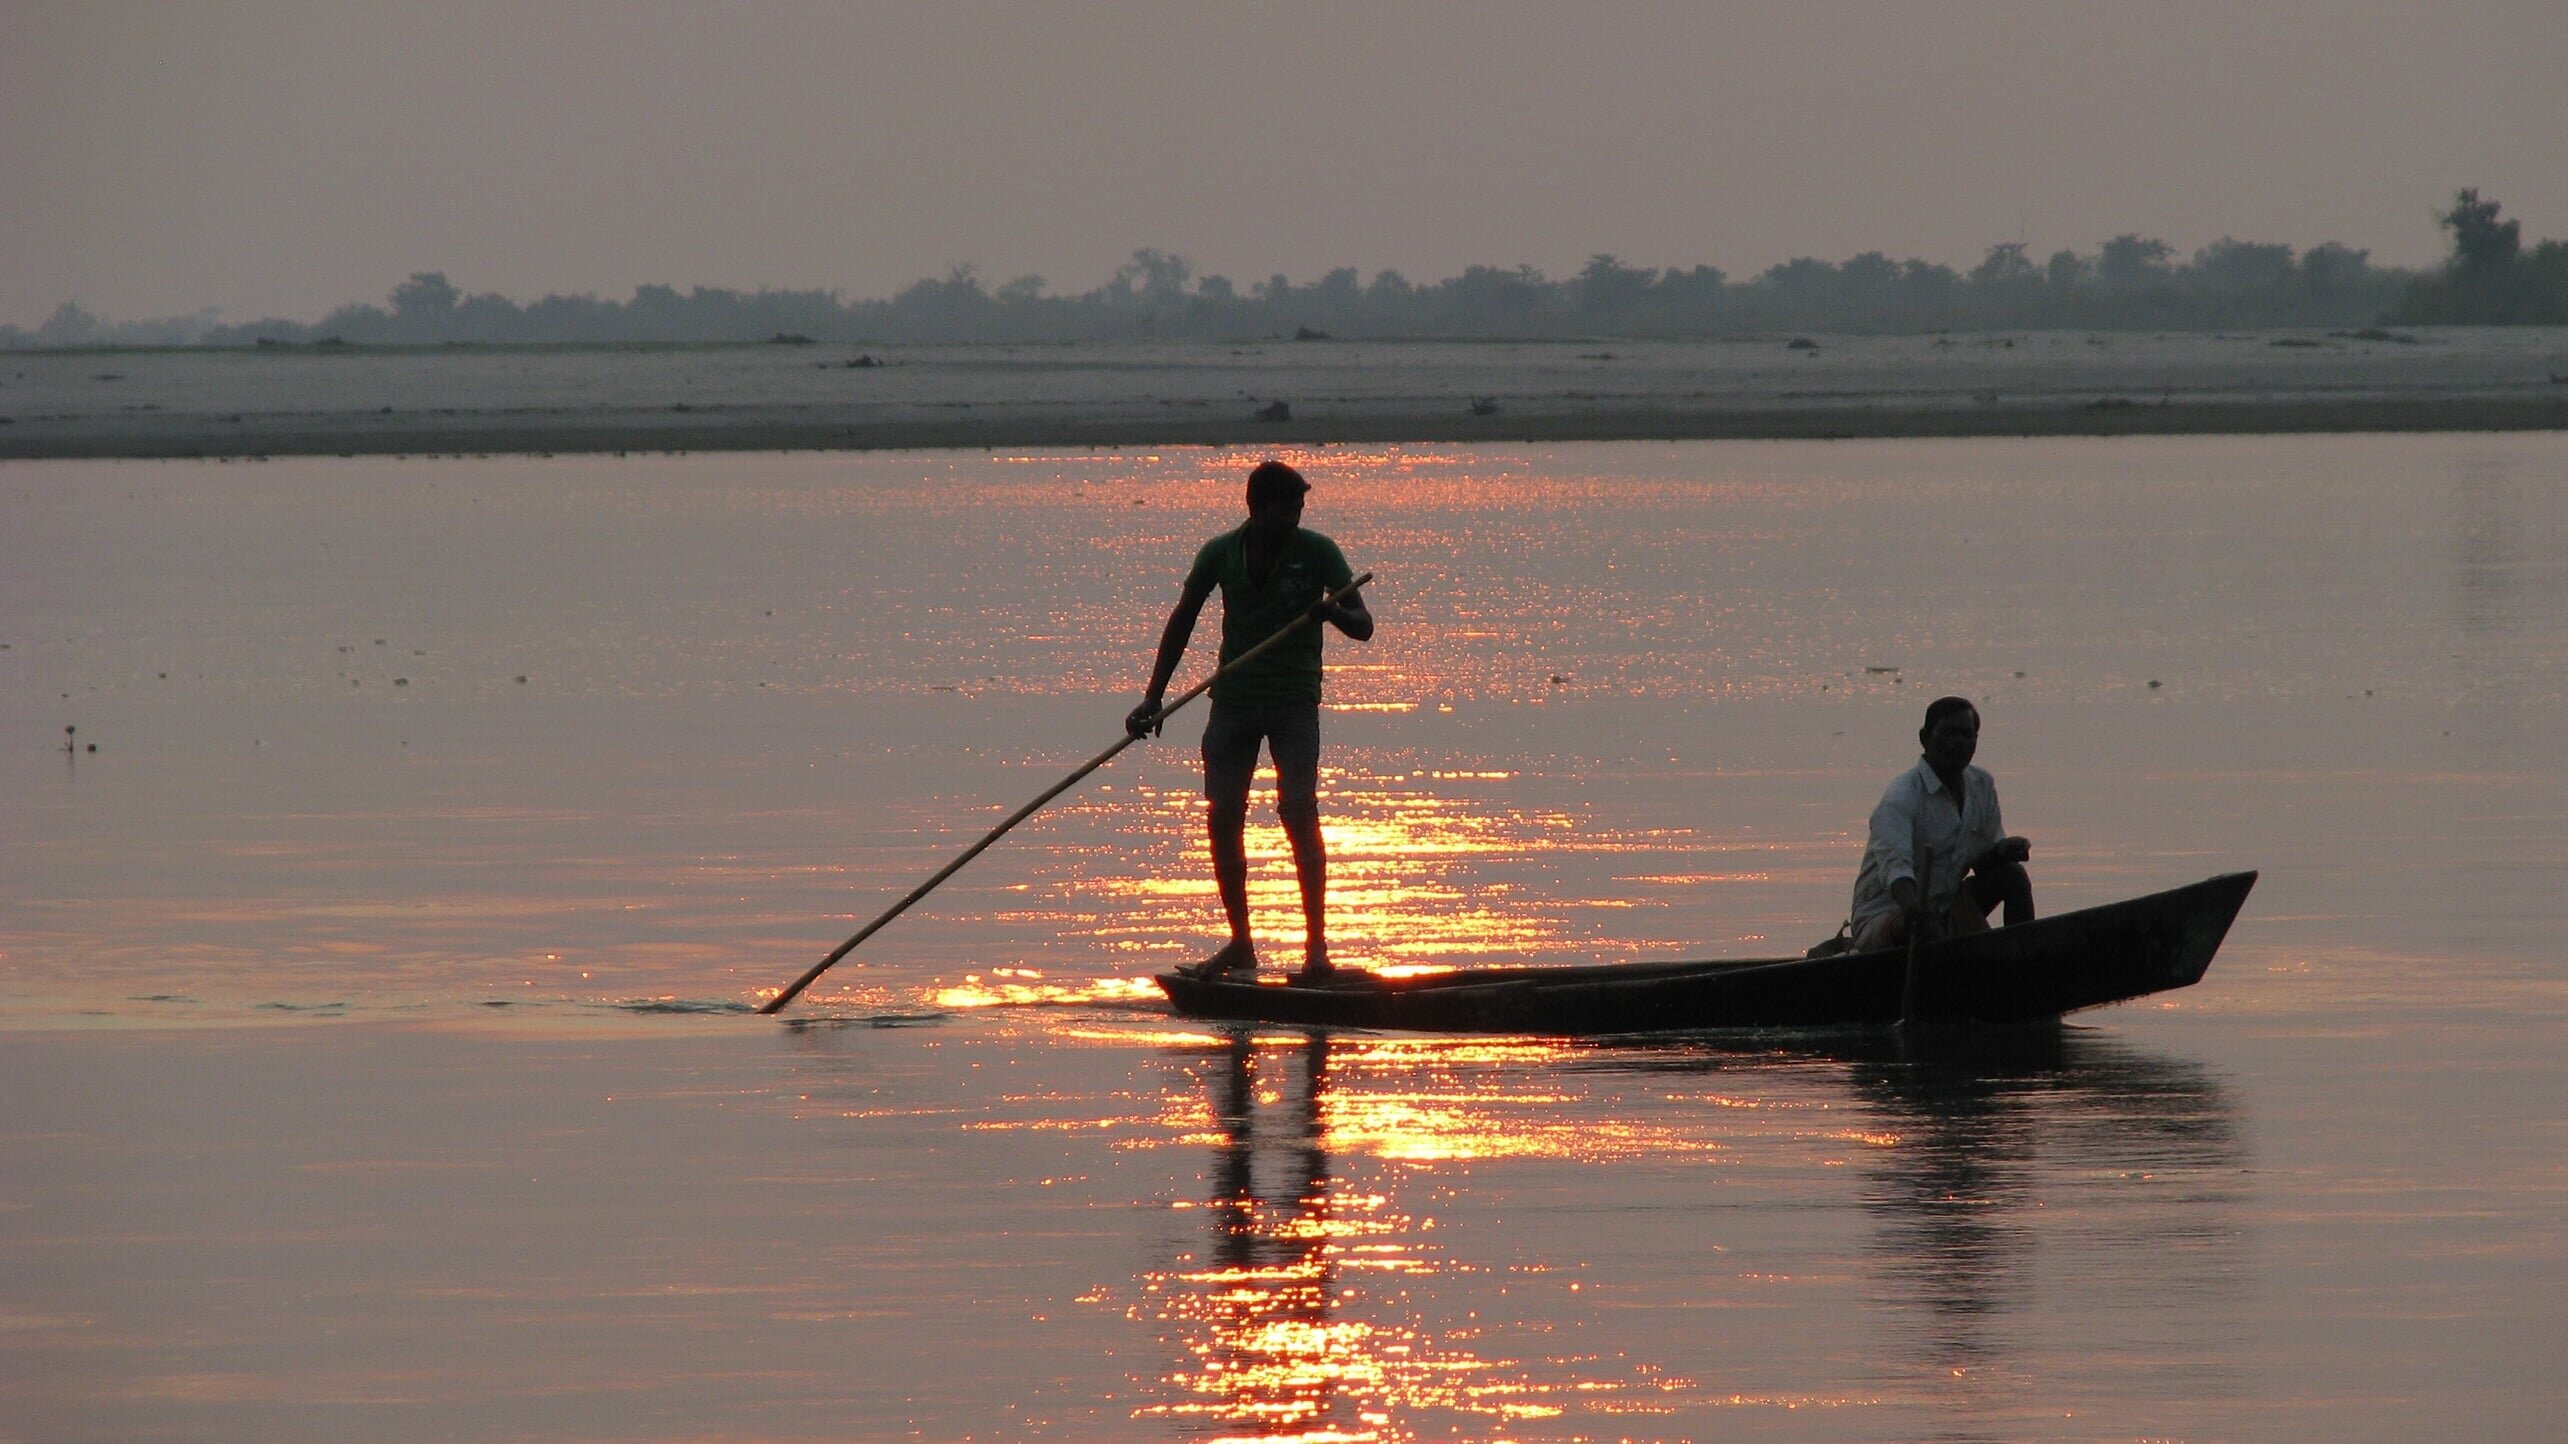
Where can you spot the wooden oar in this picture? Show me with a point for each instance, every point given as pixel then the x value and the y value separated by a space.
pixel 794 991
pixel 1908 983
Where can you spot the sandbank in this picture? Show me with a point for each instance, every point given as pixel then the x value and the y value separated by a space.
pixel 281 402
pixel 766 429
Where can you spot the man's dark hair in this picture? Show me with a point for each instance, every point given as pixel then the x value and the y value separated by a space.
pixel 1941 708
pixel 1274 480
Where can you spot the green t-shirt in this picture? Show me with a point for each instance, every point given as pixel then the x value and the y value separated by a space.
pixel 1310 568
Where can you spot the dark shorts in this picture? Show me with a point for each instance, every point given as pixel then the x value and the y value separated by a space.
pixel 1289 730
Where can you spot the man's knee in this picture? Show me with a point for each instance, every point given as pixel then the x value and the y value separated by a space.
pixel 2009 882
pixel 2019 894
pixel 1990 883
pixel 1226 814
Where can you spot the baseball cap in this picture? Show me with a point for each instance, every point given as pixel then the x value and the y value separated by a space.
pixel 1273 480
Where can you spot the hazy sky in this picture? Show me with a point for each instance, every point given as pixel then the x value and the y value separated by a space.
pixel 278 158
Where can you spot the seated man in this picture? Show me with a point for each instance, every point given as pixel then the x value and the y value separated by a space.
pixel 1939 820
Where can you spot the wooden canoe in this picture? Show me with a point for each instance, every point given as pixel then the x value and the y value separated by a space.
pixel 2033 971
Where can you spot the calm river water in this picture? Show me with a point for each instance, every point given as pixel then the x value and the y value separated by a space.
pixel 374 1060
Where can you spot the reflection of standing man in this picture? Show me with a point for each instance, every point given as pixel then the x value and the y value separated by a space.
pixel 1270 571
pixel 1303 1133
pixel 1947 808
pixel 1268 1358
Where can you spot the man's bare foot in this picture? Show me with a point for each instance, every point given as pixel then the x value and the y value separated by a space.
pixel 1237 957
pixel 1316 967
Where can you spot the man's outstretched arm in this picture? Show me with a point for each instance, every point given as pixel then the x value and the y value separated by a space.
pixel 1172 648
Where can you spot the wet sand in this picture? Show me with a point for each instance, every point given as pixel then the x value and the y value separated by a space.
pixel 300 401
pixel 751 428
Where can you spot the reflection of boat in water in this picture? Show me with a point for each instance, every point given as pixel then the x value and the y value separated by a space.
pixel 2025 973
pixel 2038 1199
pixel 2041 1198
pixel 2021 1150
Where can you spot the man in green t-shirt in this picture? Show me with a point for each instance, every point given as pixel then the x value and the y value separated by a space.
pixel 1270 572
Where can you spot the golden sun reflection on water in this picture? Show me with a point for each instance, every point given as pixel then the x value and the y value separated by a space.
pixel 1427 870
pixel 1312 1308
pixel 1424 870
pixel 1028 987
pixel 1361 1238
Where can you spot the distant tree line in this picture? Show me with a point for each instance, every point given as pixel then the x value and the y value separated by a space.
pixel 2490 279
pixel 2131 282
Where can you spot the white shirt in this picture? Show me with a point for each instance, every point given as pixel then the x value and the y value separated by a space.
pixel 1916 813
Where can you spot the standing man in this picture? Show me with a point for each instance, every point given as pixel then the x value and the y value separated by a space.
pixel 1270 571
pixel 1947 808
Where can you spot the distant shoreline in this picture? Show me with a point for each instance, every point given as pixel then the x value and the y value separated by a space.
pixel 762 429
pixel 284 401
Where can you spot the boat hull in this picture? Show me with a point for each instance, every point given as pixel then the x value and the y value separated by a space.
pixel 2033 971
